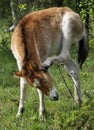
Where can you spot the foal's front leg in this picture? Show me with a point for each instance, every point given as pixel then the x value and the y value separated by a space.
pixel 42 109
pixel 73 70
pixel 23 88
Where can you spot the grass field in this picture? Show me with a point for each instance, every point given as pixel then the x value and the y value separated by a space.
pixel 61 115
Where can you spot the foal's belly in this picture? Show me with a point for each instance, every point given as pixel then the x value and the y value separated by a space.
pixel 55 48
pixel 51 46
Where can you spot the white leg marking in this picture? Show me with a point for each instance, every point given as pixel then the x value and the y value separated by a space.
pixel 23 88
pixel 42 108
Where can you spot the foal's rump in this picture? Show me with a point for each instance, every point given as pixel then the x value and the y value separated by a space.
pixel 74 31
pixel 72 26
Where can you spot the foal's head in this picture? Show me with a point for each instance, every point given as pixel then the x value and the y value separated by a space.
pixel 37 77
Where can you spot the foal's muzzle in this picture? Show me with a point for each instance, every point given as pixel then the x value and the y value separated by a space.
pixel 53 95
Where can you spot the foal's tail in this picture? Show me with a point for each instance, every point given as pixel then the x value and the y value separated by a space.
pixel 83 49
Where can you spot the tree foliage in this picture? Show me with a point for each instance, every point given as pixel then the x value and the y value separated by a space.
pixel 13 10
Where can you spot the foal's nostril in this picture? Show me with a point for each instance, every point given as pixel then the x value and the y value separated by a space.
pixel 55 98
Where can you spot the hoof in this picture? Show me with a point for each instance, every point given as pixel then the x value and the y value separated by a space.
pixel 18 116
pixel 42 118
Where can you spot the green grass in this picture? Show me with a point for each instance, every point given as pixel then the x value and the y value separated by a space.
pixel 61 115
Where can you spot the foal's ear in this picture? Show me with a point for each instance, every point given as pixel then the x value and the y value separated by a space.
pixel 19 74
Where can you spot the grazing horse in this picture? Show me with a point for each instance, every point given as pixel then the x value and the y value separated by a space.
pixel 42 38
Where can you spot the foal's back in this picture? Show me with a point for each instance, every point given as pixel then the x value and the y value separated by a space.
pixel 45 29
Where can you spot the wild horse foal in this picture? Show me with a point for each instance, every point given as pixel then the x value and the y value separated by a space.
pixel 42 38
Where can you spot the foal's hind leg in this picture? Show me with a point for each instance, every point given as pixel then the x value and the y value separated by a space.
pixel 73 70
